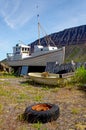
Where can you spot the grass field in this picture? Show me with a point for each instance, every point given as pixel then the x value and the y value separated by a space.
pixel 16 93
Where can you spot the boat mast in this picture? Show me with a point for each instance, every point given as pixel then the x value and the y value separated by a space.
pixel 38 29
pixel 47 38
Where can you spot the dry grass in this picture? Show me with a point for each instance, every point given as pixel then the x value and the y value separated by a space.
pixel 17 93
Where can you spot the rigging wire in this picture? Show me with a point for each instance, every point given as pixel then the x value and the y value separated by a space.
pixel 46 37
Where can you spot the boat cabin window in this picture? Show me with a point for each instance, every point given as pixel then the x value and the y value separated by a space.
pixel 17 49
pixel 23 49
pixel 42 49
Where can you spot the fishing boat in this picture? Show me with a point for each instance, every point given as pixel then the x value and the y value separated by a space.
pixel 40 57
pixel 22 55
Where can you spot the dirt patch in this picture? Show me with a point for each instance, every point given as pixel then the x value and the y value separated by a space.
pixel 17 93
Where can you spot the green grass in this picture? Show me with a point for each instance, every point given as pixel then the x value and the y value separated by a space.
pixel 80 126
pixel 80 76
pixel 37 125
pixel 75 111
pixel 1 108
pixel 38 98
pixel 74 52
pixel 6 75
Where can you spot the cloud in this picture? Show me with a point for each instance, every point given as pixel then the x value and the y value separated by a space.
pixel 16 13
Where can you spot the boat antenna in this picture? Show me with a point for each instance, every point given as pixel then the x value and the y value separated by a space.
pixel 38 28
pixel 21 42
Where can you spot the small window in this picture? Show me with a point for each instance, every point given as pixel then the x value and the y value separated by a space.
pixel 16 49
pixel 22 49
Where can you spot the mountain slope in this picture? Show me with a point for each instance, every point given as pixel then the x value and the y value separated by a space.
pixel 75 35
pixel 76 53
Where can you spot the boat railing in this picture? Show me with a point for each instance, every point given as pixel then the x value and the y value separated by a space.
pixel 10 56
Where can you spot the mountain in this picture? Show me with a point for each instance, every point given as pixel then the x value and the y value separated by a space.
pixel 74 39
pixel 74 35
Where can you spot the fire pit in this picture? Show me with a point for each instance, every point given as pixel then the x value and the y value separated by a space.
pixel 41 112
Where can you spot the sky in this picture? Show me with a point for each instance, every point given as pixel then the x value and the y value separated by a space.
pixel 19 24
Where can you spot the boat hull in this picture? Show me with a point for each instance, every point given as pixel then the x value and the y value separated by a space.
pixel 40 60
pixel 52 79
